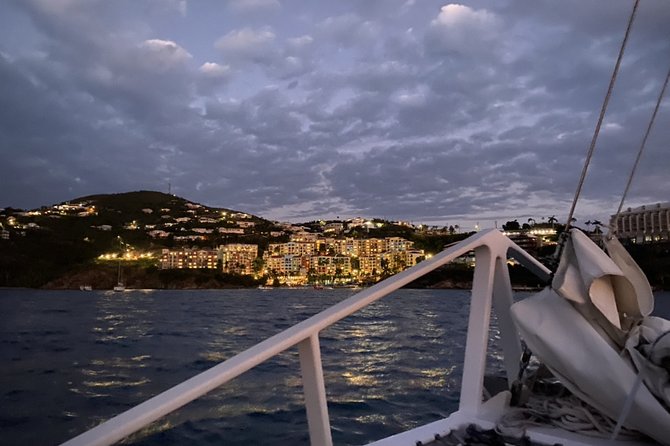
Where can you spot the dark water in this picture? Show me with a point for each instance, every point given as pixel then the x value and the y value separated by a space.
pixel 73 359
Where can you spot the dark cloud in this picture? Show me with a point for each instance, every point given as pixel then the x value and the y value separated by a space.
pixel 415 110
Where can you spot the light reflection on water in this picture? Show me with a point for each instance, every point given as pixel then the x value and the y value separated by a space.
pixel 119 322
pixel 72 359
pixel 114 350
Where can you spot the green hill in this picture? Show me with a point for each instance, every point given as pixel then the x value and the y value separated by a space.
pixel 47 243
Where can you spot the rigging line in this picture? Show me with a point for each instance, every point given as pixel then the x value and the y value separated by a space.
pixel 602 115
pixel 614 229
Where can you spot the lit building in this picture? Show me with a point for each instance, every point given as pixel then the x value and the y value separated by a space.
pixel 188 258
pixel 413 256
pixel 238 258
pixel 334 227
pixel 644 224
pixel 306 237
pixel 370 247
pixel 397 244
pixel 291 248
pixel 370 265
pixel 231 230
pixel 347 246
pixel 524 240
pixel 331 265
pixel 283 264
pixel 307 254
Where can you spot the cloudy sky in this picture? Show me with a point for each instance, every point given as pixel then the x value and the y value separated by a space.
pixel 421 110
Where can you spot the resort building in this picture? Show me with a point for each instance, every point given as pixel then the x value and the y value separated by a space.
pixel 291 248
pixel 644 224
pixel 414 256
pixel 397 244
pixel 231 230
pixel 334 227
pixel 188 258
pixel 370 265
pixel 238 258
pixel 306 237
pixel 337 265
pixel 283 264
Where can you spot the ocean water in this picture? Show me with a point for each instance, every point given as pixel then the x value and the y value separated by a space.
pixel 72 359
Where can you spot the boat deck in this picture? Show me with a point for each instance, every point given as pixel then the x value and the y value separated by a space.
pixel 456 430
pixel 473 435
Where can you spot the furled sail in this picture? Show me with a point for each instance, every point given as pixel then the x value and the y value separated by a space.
pixel 597 307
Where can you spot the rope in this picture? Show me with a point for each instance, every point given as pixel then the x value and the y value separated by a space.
pixel 601 117
pixel 628 405
pixel 568 413
pixel 614 229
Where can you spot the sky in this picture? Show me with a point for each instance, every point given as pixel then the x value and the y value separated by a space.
pixel 293 110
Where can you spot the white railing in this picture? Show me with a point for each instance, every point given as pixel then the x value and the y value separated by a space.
pixel 491 285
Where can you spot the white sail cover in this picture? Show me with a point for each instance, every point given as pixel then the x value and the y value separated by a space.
pixel 580 325
pixel 599 288
pixel 643 303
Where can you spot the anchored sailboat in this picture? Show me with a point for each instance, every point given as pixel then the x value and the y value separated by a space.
pixel 119 282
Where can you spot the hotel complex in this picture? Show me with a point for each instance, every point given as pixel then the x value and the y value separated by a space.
pixel 644 224
pixel 305 258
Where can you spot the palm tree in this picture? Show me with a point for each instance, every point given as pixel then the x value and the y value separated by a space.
pixel 597 224
pixel 552 220
pixel 533 220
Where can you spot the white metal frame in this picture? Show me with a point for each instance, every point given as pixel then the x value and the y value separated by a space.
pixel 491 286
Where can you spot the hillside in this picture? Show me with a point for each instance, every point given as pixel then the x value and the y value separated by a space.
pixel 47 243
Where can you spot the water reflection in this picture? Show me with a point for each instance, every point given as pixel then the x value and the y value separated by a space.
pixel 391 366
pixel 118 324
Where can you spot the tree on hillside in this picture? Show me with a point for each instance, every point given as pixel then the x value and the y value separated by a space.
pixel 597 224
pixel 258 265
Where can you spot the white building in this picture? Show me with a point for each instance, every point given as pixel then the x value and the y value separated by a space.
pixel 231 230
pixel 644 224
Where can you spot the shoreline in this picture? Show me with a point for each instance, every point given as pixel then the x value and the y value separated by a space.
pixel 454 286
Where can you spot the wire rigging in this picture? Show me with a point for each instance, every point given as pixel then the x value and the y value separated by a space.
pixel 602 115
pixel 614 229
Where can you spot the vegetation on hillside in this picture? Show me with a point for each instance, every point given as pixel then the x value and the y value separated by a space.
pixel 52 245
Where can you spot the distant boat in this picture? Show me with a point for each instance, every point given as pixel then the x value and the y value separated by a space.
pixel 264 287
pixel 119 283
pixel 85 288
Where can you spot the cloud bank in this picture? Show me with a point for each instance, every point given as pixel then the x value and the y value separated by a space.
pixel 446 113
